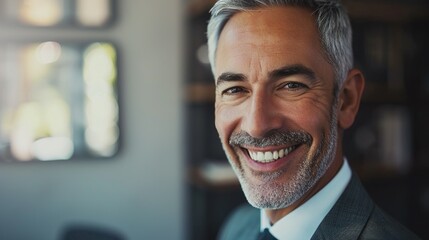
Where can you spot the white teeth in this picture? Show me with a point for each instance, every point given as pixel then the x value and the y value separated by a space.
pixel 275 155
pixel 281 153
pixel 266 157
pixel 260 156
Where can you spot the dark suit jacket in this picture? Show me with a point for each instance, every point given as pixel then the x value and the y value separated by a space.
pixel 354 216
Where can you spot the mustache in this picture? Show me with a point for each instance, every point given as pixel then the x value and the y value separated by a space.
pixel 275 138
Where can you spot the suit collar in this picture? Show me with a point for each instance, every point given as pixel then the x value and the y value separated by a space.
pixel 348 216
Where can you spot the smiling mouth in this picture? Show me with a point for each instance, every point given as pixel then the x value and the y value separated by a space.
pixel 270 156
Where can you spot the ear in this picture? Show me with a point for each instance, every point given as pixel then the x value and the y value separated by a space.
pixel 350 96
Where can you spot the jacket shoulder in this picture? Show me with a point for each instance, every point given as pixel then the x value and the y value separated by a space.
pixel 381 226
pixel 356 216
pixel 243 223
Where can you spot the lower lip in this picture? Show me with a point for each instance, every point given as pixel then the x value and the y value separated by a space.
pixel 271 166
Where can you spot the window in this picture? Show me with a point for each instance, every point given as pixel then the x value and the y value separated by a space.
pixel 58 98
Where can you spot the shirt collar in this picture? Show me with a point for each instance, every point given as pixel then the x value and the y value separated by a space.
pixel 302 222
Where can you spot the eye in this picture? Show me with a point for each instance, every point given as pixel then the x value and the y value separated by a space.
pixel 294 85
pixel 233 90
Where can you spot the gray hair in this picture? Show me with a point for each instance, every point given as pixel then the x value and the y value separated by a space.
pixel 331 18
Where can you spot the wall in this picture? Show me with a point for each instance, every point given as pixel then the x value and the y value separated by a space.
pixel 140 191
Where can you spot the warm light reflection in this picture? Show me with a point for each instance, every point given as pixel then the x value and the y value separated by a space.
pixel 41 12
pixel 38 119
pixel 48 52
pixel 48 13
pixel 38 109
pixel 26 126
pixel 101 108
pixel 93 12
pixel 58 100
pixel 52 148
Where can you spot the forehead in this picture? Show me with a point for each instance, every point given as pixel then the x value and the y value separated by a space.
pixel 272 21
pixel 273 35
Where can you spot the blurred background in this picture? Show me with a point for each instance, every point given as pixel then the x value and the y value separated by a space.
pixel 95 85
pixel 107 126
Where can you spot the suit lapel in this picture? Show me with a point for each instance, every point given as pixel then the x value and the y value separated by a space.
pixel 348 216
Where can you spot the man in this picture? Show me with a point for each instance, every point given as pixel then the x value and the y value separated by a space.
pixel 285 91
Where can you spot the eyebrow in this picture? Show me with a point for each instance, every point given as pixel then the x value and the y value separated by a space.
pixel 285 71
pixel 296 69
pixel 230 77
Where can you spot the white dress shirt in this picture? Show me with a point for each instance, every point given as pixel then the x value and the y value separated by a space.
pixel 302 222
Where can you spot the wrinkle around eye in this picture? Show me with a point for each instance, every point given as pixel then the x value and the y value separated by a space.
pixel 233 90
pixel 232 94
pixel 293 86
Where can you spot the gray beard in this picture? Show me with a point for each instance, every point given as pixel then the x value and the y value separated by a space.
pixel 270 194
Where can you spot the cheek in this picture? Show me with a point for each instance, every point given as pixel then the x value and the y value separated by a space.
pixel 313 120
pixel 225 121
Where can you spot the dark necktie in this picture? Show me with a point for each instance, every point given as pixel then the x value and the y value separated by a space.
pixel 266 235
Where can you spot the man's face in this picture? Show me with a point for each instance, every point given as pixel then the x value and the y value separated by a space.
pixel 275 107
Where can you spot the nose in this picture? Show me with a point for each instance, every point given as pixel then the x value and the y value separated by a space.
pixel 261 117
